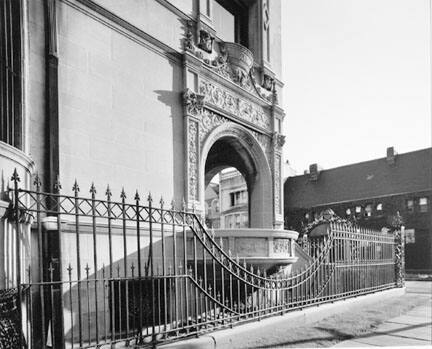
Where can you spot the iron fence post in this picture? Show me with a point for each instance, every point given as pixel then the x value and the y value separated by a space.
pixel 16 179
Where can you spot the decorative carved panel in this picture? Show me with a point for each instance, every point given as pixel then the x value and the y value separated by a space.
pixel 277 184
pixel 193 159
pixel 282 246
pixel 206 41
pixel 250 247
pixel 194 102
pixel 278 141
pixel 210 120
pixel 234 105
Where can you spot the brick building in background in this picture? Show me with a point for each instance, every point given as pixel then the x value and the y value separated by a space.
pixel 371 193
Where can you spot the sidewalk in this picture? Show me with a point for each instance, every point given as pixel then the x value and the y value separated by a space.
pixel 413 328
pixel 354 322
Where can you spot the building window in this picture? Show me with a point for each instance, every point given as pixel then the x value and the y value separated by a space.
pixel 368 210
pixel 228 221
pixel 10 73
pixel 379 206
pixel 237 217
pixel 410 205
pixel 358 209
pixel 423 204
pixel 238 197
pixel 230 19
pixel 348 212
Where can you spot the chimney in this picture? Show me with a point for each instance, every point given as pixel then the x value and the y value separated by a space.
pixel 391 156
pixel 314 171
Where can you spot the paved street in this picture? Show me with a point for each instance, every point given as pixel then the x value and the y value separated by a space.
pixel 413 328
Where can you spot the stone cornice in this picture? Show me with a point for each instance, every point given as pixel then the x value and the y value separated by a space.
pixel 123 27
pixel 174 9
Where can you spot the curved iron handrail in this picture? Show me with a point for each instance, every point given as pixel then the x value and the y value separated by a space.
pixel 309 271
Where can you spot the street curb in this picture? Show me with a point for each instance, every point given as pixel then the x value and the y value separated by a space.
pixel 232 337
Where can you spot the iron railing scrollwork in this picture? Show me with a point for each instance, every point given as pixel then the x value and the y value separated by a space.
pixel 144 273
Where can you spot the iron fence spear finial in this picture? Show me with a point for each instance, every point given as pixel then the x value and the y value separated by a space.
pixel 137 197
pixel 161 202
pixel 149 198
pixel 93 189
pixel 123 194
pixel 172 204
pixel 37 181
pixel 76 187
pixel 108 192
pixel 15 176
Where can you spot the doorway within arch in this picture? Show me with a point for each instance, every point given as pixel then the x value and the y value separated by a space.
pixel 232 146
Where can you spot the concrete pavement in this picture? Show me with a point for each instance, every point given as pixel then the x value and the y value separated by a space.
pixel 413 328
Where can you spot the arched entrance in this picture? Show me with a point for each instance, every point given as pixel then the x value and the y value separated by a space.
pixel 232 145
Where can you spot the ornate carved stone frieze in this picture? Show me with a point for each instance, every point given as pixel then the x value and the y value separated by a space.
pixel 277 184
pixel 206 41
pixel 194 102
pixel 188 41
pixel 220 64
pixel 193 160
pixel 282 246
pixel 223 64
pixel 211 120
pixel 240 108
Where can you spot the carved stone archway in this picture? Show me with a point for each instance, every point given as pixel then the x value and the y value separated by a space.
pixel 222 110
pixel 232 145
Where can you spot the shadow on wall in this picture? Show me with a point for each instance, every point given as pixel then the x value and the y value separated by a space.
pixel 172 99
pixel 117 287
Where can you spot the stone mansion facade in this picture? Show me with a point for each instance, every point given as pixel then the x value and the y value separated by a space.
pixel 152 95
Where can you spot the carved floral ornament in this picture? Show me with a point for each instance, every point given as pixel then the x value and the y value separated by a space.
pixel 278 140
pixel 236 106
pixel 223 64
pixel 211 120
pixel 282 246
pixel 193 160
pixel 277 185
pixel 193 102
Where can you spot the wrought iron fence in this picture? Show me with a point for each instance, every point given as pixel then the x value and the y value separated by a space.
pixel 145 274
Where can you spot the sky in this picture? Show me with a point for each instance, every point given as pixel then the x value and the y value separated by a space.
pixel 357 77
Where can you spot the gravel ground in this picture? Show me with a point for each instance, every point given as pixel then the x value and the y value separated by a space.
pixel 336 328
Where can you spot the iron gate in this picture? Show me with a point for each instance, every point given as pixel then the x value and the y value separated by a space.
pixel 140 273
